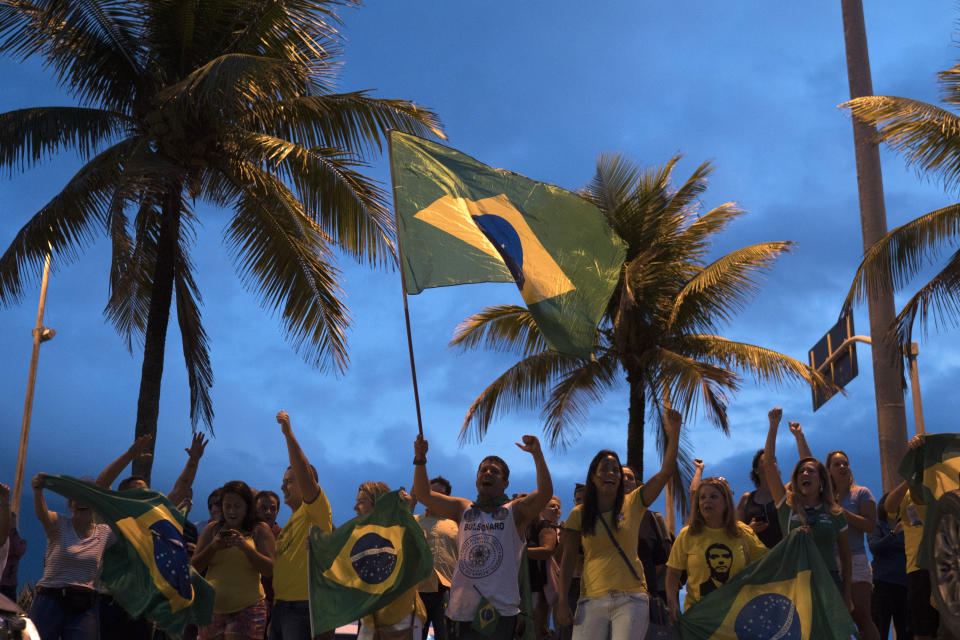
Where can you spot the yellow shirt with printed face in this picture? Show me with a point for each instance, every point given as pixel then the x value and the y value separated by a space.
pixel 712 557
pixel 911 517
pixel 603 567
pixel 290 563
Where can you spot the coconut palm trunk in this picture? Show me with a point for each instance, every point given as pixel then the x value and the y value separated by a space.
pixel 155 336
pixel 637 417
pixel 887 360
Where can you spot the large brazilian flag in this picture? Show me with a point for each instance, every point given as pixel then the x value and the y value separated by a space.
pixel 935 465
pixel 788 594
pixel 146 570
pixel 366 563
pixel 460 221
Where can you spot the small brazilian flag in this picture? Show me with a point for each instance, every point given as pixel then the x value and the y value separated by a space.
pixel 935 465
pixel 460 221
pixel 486 618
pixel 146 570
pixel 788 594
pixel 365 564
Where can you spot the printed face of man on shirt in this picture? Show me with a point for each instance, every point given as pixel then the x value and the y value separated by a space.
pixel 719 559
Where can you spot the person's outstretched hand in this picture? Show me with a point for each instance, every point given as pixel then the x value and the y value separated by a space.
pixel 775 415
pixel 197 446
pixel 283 419
pixel 530 444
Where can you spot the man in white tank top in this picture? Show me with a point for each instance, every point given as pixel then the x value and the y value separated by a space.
pixel 490 537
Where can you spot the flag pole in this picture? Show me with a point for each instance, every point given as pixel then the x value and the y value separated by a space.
pixel 403 288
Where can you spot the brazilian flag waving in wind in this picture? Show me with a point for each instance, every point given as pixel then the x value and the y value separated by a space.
pixel 460 221
pixel 146 570
pixel 366 563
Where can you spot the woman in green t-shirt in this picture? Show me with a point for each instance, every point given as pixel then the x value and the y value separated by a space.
pixel 809 504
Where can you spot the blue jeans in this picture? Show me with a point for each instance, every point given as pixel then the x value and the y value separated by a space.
pixel 623 614
pixel 290 620
pixel 54 623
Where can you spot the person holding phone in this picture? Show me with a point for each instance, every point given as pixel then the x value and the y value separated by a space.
pixel 236 552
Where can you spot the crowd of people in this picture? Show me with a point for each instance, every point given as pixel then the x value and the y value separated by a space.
pixel 607 571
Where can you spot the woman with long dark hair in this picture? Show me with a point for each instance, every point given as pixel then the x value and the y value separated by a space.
pixel 756 508
pixel 613 595
pixel 236 552
pixel 712 548
pixel 809 504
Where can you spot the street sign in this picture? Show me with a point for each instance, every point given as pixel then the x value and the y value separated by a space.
pixel 842 368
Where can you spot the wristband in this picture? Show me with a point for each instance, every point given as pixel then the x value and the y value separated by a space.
pixel 419 461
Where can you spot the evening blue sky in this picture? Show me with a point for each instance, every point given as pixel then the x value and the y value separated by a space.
pixel 540 88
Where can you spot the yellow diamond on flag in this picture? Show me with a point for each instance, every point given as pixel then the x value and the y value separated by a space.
pixel 157 538
pixel 370 559
pixel 773 611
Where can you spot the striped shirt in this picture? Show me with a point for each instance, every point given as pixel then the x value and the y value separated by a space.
pixel 71 560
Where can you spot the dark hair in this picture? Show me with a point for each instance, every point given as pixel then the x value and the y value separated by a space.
pixel 214 498
pixel 313 470
pixel 754 474
pixel 267 494
pixel 591 507
pixel 126 482
pixel 240 488
pixel 497 460
pixel 443 482
pixel 715 545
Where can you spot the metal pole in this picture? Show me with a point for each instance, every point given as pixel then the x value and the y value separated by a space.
pixel 911 352
pixel 28 402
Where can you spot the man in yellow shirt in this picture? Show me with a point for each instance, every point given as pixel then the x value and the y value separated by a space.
pixel 301 492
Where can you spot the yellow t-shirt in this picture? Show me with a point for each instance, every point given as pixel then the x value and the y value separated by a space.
pixel 406 603
pixel 236 581
pixel 290 564
pixel 711 557
pixel 603 567
pixel 911 517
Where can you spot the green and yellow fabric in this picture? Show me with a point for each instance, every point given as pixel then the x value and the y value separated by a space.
pixel 146 570
pixel 460 221
pixel 365 564
pixel 788 594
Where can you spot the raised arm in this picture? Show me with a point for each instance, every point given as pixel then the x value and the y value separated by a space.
pixel 309 488
pixel 46 517
pixel 803 449
pixel 697 477
pixel 181 488
pixel 654 485
pixel 4 512
pixel 892 502
pixel 529 507
pixel 115 468
pixel 441 505
pixel 777 490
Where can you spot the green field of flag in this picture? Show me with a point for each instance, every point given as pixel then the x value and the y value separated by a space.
pixel 788 594
pixel 460 221
pixel 146 570
pixel 935 465
pixel 366 563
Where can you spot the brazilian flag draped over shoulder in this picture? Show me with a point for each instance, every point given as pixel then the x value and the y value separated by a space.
pixel 146 570
pixel 460 222
pixel 366 563
pixel 788 594
pixel 935 465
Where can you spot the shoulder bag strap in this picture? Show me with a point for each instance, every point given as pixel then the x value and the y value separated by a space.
pixel 617 545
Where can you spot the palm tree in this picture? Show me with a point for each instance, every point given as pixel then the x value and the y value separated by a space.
pixel 929 136
pixel 226 102
pixel 659 328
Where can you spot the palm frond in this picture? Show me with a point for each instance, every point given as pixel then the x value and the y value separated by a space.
pixel 937 301
pixel 131 270
pixel 283 255
pixel 507 327
pixel 728 283
pixel 687 381
pixel 699 233
pixel 352 121
pixel 196 353
pixel 65 225
pixel 898 256
pixel 569 399
pixel 927 135
pixel 523 386
pixel 347 205
pixel 28 136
